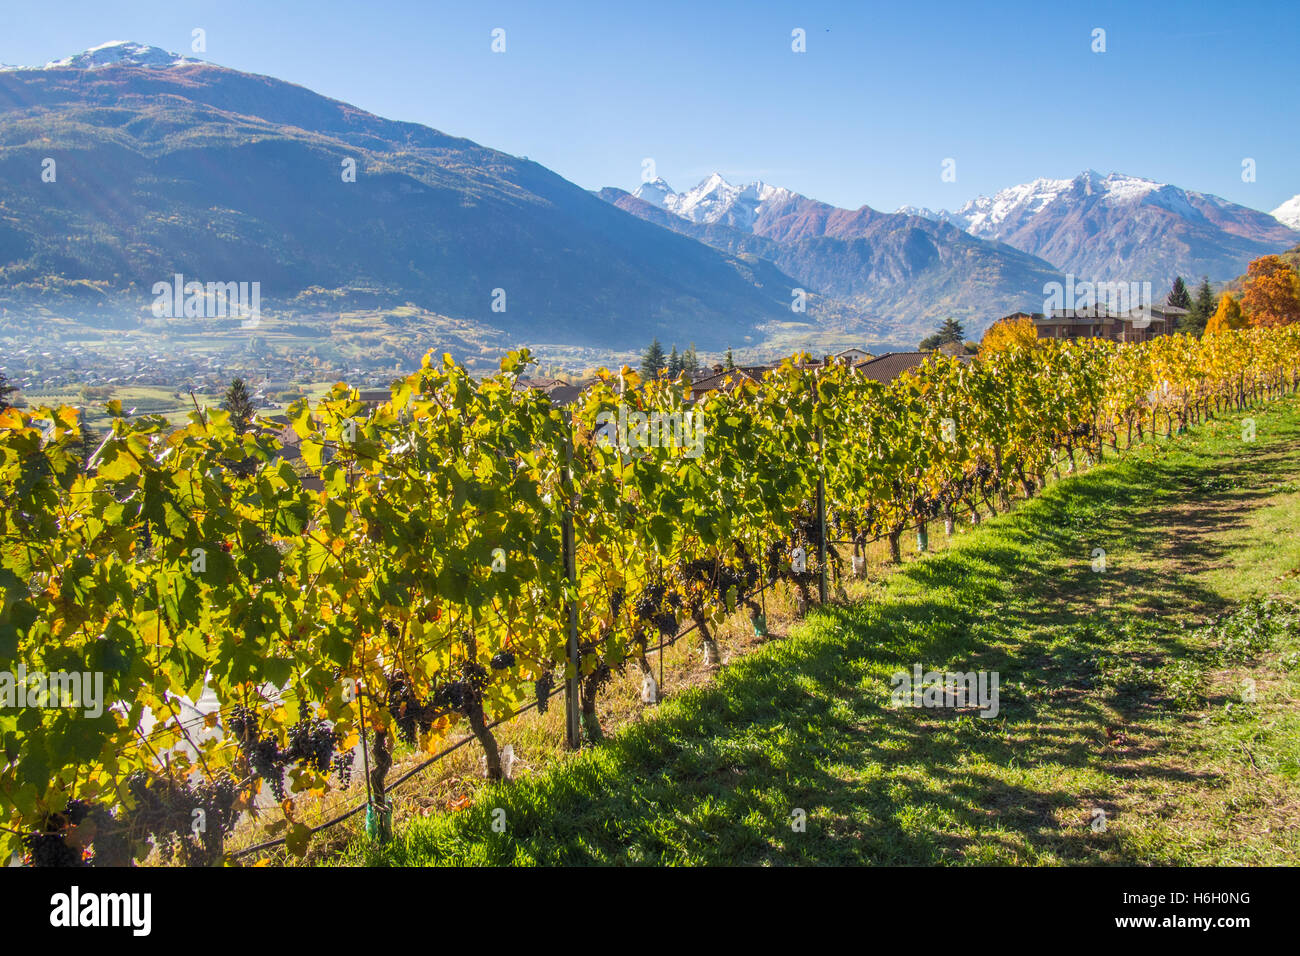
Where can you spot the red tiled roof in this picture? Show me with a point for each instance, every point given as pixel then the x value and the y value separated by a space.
pixel 728 378
pixel 885 368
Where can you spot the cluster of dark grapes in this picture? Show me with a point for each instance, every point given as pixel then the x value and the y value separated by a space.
pixel 859 525
pixel 696 579
pixel 951 492
pixel 452 695
pixel 542 691
pixel 342 765
pixel 311 741
pixel 975 482
pixel 808 527
pixel 413 715
pixel 50 846
pixel 474 678
pixel 775 554
pixel 311 744
pixel 50 849
pixel 616 598
pixel 656 604
pixel 164 809
pixel 410 714
pixel 76 811
pixel 779 562
pixel 263 753
pixel 924 507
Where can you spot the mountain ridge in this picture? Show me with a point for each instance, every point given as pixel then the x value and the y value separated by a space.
pixel 1125 228
pixel 173 165
pixel 905 272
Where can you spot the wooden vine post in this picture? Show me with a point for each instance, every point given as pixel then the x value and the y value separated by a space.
pixel 821 495
pixel 572 698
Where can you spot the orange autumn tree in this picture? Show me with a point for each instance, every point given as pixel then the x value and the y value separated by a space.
pixel 1013 330
pixel 1272 293
pixel 1227 316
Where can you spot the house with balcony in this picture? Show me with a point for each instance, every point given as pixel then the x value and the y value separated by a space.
pixel 1136 325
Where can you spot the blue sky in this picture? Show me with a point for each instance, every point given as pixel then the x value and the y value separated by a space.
pixel 884 94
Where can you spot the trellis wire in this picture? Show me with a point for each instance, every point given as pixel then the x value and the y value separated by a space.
pixel 659 648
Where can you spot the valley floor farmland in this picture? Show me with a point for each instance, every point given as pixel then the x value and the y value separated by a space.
pixel 1115 696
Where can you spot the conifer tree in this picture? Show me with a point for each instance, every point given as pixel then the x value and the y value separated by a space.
pixel 691 362
pixel 1202 308
pixel 653 361
pixel 1178 296
pixel 951 332
pixel 239 402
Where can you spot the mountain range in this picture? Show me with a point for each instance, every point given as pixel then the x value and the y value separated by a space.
pixel 906 270
pixel 124 165
pixel 1123 228
pixel 166 165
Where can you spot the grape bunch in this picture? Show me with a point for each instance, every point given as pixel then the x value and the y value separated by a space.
pixel 503 659
pixel 773 558
pixel 474 678
pixel 263 753
pixel 50 846
pixel 410 714
pixel 924 507
pixel 50 849
pixel 654 605
pixel 311 742
pixel 77 811
pixel 165 809
pixel 342 765
pixel 452 695
pixel 542 691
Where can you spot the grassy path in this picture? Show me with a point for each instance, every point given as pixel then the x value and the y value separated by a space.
pixel 1115 696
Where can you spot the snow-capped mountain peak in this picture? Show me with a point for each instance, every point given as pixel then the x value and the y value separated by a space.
pixel 707 202
pixel 1120 188
pixel 121 53
pixel 116 53
pixel 654 192
pixel 991 217
pixel 1288 214
pixel 935 215
pixel 984 216
pixel 715 200
pixel 1078 224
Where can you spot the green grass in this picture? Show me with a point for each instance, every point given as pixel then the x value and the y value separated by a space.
pixel 1125 691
